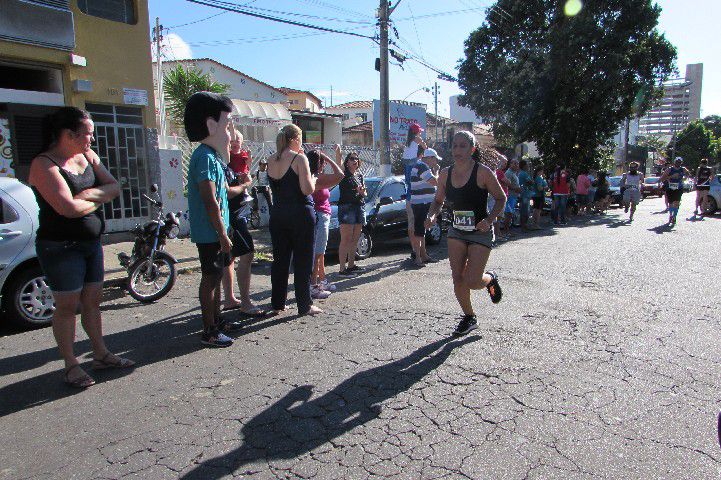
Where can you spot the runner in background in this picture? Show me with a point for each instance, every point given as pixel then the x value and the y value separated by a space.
pixel 703 185
pixel 631 184
pixel 674 177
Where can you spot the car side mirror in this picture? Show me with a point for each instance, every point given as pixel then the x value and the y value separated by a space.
pixel 385 201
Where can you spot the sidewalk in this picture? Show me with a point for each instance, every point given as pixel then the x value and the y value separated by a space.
pixel 181 248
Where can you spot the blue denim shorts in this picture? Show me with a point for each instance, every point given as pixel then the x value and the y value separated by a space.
pixel 350 214
pixel 322 223
pixel 511 203
pixel 69 265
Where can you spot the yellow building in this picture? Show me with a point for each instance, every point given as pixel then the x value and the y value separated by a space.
pixel 95 55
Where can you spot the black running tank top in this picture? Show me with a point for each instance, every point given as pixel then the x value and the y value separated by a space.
pixel 286 190
pixel 53 226
pixel 468 197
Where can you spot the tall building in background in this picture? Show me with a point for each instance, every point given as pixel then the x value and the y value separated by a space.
pixel 680 105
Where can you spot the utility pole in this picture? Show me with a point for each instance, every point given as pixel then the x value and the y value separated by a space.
pixel 159 75
pixel 331 95
pixel 435 99
pixel 384 117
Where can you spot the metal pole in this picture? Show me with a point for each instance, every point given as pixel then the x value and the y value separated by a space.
pixel 625 144
pixel 159 77
pixel 435 94
pixel 384 116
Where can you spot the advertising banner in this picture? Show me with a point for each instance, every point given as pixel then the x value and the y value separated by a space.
pixel 401 117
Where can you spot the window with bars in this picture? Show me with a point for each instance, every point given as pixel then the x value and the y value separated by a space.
pixel 115 10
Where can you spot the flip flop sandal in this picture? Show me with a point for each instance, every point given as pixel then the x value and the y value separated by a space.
pixel 103 363
pixel 83 381
pixel 229 309
pixel 494 288
pixel 255 312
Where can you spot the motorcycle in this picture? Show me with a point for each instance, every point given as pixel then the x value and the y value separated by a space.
pixel 151 270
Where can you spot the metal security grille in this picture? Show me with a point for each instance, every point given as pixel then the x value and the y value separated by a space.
pixel 120 144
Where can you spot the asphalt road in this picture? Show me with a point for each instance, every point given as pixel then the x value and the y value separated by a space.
pixel 602 361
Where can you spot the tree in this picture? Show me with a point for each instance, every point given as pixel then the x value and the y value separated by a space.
pixel 180 83
pixel 565 82
pixel 713 124
pixel 693 143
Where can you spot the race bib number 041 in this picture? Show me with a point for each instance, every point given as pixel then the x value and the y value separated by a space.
pixel 673 186
pixel 464 220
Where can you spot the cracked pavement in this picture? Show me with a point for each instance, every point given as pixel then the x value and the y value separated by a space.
pixel 602 361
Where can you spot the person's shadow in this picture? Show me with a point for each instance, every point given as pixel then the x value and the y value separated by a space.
pixel 295 424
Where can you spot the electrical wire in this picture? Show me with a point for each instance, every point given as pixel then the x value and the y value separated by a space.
pixel 237 9
pixel 295 14
pixel 337 8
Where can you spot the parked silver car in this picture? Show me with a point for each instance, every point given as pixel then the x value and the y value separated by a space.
pixel 713 203
pixel 26 299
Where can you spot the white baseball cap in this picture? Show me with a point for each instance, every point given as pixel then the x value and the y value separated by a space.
pixel 431 153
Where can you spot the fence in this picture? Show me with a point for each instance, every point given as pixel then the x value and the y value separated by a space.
pixel 370 157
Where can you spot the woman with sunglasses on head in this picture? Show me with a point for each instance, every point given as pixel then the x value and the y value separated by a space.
pixel 351 214
pixel 320 288
pixel 292 221
pixel 466 185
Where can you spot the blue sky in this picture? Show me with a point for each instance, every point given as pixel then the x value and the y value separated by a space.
pixel 285 55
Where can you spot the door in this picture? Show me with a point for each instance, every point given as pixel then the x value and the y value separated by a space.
pixel 16 229
pixel 120 144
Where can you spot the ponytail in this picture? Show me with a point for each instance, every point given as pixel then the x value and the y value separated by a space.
pixel 285 135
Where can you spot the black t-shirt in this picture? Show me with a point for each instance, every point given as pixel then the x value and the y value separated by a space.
pixel 348 189
pixel 703 176
pixel 239 202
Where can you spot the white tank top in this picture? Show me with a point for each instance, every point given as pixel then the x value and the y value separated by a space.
pixel 633 180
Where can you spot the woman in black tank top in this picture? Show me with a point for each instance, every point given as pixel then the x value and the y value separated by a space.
pixel 71 185
pixel 292 221
pixel 465 186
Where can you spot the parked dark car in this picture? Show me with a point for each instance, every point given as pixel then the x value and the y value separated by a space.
pixel 651 187
pixel 615 190
pixel 386 217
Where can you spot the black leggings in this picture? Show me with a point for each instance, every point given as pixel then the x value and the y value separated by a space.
pixel 292 231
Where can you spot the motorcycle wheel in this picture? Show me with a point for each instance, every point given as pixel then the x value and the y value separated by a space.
pixel 150 286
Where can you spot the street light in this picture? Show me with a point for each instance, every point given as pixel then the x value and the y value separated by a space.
pixel 425 89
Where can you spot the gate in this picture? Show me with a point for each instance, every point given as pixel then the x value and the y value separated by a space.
pixel 120 143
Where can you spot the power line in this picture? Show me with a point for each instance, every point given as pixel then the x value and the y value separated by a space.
pixel 439 14
pixel 331 19
pixel 337 8
pixel 420 47
pixel 272 38
pixel 196 21
pixel 238 9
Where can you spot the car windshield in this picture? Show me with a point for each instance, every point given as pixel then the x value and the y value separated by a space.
pixel 651 180
pixel 614 181
pixel 371 187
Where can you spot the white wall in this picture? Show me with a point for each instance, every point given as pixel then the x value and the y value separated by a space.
pixel 352 112
pixel 462 114
pixel 333 131
pixel 171 186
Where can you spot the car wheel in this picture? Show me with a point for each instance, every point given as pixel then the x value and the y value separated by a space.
pixel 711 205
pixel 28 301
pixel 433 236
pixel 365 246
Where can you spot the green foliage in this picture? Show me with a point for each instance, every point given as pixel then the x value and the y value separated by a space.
pixel 180 83
pixel 565 83
pixel 713 124
pixel 694 143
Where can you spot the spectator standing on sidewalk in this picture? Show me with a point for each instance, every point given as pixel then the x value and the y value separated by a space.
pixel 502 161
pixel 424 180
pixel 583 186
pixel 561 189
pixel 351 214
pixel 514 190
pixel 320 287
pixel 70 185
pixel 207 120
pixel 414 148
pixel 292 221
pixel 539 196
pixel 526 183
pixel 262 184
pixel 239 204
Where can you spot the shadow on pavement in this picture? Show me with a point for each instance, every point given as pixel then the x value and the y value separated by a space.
pixel 661 229
pixel 295 424
pixel 619 223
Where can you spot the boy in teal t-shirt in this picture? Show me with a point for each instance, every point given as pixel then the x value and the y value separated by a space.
pixel 207 120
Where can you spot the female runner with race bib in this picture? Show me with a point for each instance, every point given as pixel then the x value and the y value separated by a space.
pixel 466 186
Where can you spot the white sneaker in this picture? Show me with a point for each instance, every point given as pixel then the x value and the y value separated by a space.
pixel 326 285
pixel 318 293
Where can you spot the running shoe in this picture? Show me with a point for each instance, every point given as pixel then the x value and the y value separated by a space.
pixel 318 293
pixel 494 288
pixel 327 285
pixel 215 339
pixel 356 269
pixel 347 273
pixel 467 324
pixel 430 260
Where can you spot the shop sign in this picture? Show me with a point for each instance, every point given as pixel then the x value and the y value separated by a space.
pixel 135 96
